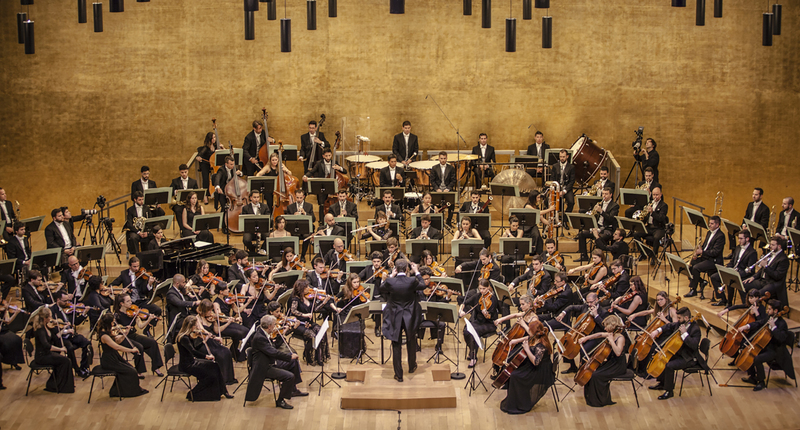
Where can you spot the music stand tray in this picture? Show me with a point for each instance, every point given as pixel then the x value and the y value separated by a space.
pixel 437 220
pixel 85 254
pixel 440 198
pixel 184 194
pixel 416 246
pixel 7 267
pixel 504 190
pixel 501 291
pixel 287 278
pixel 164 221
pixel 756 231
pixel 527 217
pixel 550 269
pixel 348 223
pixel 157 196
pixel 375 245
pixel 264 184
pixel 633 197
pixel 220 154
pixel 255 224
pixel 696 218
pixel 678 265
pixel 276 245
pixel 207 222
pixel 298 225
pixel 480 221
pixel 516 247
pixel 33 224
pixel 582 221
pixel 442 312
pixel 631 225
pixel 151 260
pixel 551 155
pixel 586 203
pixel 323 244
pixel 454 284
pixel 322 186
pixel 358 266
pixel 646 250
pixel 732 228
pixel 45 258
pixel 730 277
pixel 467 248
pixel 397 193
pixel 794 235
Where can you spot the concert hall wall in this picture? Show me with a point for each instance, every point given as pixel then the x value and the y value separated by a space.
pixel 85 111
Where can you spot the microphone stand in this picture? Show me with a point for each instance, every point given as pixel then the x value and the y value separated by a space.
pixel 458 145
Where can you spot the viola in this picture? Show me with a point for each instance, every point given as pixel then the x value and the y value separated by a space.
pixel 142 313
pixel 607 283
pixel 644 343
pixel 437 269
pixel 757 343
pixel 671 346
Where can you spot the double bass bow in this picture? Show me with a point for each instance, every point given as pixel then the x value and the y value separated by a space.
pixel 263 152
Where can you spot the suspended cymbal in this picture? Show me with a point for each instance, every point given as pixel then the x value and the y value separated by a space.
pixel 522 180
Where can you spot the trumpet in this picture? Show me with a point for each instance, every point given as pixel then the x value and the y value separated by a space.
pixel 595 210
pixel 766 256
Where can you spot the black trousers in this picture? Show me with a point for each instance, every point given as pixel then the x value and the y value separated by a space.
pixel 411 349
pixel 729 293
pixel 705 266
pixel 667 377
pixel 653 238
pixel 262 371
pixel 472 345
pixel 437 331
pixel 585 235
pixel 757 369
pixel 87 354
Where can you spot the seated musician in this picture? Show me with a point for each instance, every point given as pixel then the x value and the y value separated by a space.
pixel 425 206
pixel 126 383
pixel 758 212
pixel 482 306
pixel 392 175
pixel 593 310
pixel 270 362
pixel 771 277
pixel 475 206
pixel 226 305
pixel 220 181
pixel 271 169
pixel 551 255
pixel 97 296
pixel 329 227
pixel 182 182
pixel 786 218
pixel 707 256
pixel 537 149
pixel 555 304
pixel 662 310
pixel 466 230
pixel 59 234
pixel 617 247
pixel 343 207
pixel 481 167
pixel 198 361
pixel 655 220
pixel 193 208
pixel 335 260
pixel 380 230
pixel 610 290
pixel 647 184
pixel 540 279
pixel 137 238
pixel 605 212
pixel 429 295
pixel 688 354
pixel 513 231
pixel 255 207
pixel 257 297
pixel 63 311
pixel 325 168
pixel 303 307
pixel 280 228
pixel 11 352
pixel 138 285
pixel 744 256
pixel 210 322
pixel 289 261
pixel 301 207
pixel 133 320
pixel 429 260
pixel 34 293
pixel 236 271
pixel 479 268
pixel 603 182
pixel 596 271
pixel 528 383
pixel 443 175
pixel 73 281
pixel 392 211
pixel 425 231
pixel 375 275
pixel 392 253
pixel 631 302
pixel 754 306
pixel 775 351
pixel 597 392
pixel 48 352
pixel 181 302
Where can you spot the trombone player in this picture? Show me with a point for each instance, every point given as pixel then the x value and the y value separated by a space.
pixel 654 217
pixel 605 212
pixel 787 218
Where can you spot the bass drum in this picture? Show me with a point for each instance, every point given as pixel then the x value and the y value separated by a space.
pixel 587 158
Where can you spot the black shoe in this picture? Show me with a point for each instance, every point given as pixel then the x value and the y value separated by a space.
pixel 759 387
pixel 572 369
pixel 298 393
pixel 141 376
pixel 657 387
pixel 702 297
pixel 712 301
pixel 283 405
pixel 2 387
pixel 16 367
pixel 158 373
pixel 691 293
pixel 720 303
pixel 666 395
pixel 84 373
pixel 733 363
pixel 412 369
pixel 398 378
pixel 750 380
pixel 494 375
pixel 227 396
pixel 472 363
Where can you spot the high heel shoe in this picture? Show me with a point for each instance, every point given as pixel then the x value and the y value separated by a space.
pixel 158 373
pixel 228 396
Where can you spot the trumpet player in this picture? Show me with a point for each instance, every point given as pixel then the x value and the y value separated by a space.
pixel 654 217
pixel 604 211
pixel 647 184
pixel 770 271
pixel 707 256
pixel 787 218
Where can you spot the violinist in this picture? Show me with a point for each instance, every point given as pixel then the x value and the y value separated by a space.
pixel 209 322
pixel 551 255
pixel 270 362
pixel 347 301
pixel 223 304
pixel 428 260
pixel 48 352
pixel 255 207
pixel 180 303
pixel 73 279
pixel 303 307
pixel 555 304
pixel 662 310
pixel 236 271
pixel 133 321
pixel 204 155
pixel 191 209
pixel 402 313
pixel 10 344
pixel 605 212
pixel 597 392
pixel 34 293
pixel 315 276
pixel 127 381
pixel 197 360
pixel 425 231
pixel 137 239
pixel 280 228
pixel 539 278
pixel 258 296
pixel 301 207
pixel 592 309
pixel 207 284
pixel 98 297
pixel 425 207
pixel 529 382
pixel 776 350
pixel 392 211
pixel 380 230
pixel 617 247
pixel 392 253
pixel 755 307
pixel 289 261
pixel 62 311
pixel 336 259
pixel 596 271
pixel 138 284
pixel 343 207
pixel 744 256
pixel 428 295
pixel 484 267
pixel 686 356
pixel 18 247
pixel 482 305
pixel 285 326
pixel 631 302
pixel 620 286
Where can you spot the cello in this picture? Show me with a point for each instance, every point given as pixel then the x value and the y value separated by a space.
pixel 665 352
pixel 518 357
pixel 757 343
pixel 583 327
pixel 644 343
pixel 342 181
pixel 238 196
pixel 501 352
pixel 598 356
pixel 287 186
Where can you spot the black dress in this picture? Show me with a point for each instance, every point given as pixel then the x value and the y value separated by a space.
pixel 210 384
pixel 61 380
pixel 297 307
pixel 529 382
pixel 204 235
pixel 235 331
pixel 205 153
pixel 145 345
pixel 10 346
pixel 222 356
pixel 597 391
pixel 127 377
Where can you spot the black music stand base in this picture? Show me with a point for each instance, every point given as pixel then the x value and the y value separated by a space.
pixel 474 381
pixel 436 355
pixel 320 378
pixel 363 350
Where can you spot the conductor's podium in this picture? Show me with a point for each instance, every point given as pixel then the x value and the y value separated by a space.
pixel 375 388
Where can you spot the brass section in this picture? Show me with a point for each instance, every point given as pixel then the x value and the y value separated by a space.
pixel 93 107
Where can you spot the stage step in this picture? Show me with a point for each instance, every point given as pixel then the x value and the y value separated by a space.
pixel 379 390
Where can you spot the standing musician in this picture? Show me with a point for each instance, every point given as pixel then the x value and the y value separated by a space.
pixel 647 184
pixel 137 238
pixel 758 212
pixel 605 212
pixel 481 167
pixel 617 247
pixel 324 168
pixel 475 206
pixel 221 179
pixel 392 211
pixel 270 362
pixel 34 293
pixel 252 143
pixel 648 158
pixel 771 276
pixel 145 183
pixel 540 279
pixel 655 220
pixel 528 383
pixel 343 207
pixel 596 312
pixel 380 230
pixel 686 356
pixel 302 207
pixel 443 175
pixel 707 256
pixel 787 218
pixel 405 146
pixel 181 302
pixel 391 175
pixel 425 231
pixel 631 302
pixel 62 312
pixel 402 313
pixel 138 286
pixel 597 271
pixel 59 234
pixel 182 182
pixel 482 305
pixel 776 350
pixel 204 155
pixel 537 149
pixel 255 208
pixel 563 172
pixel 307 143
pixel 8 215
pixel 744 256
pixel 597 392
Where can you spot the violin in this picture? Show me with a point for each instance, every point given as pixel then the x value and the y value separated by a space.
pixel 361 293
pixel 644 343
pixel 80 308
pixel 607 283
pixel 142 313
pixel 381 273
pixel 437 269
pixel 4 306
pixel 332 273
pixel 85 274
pixel 231 298
pixel 57 323
pixel 263 283
pixel 626 298
pixel 593 273
pixel 52 286
pixel 314 294
pixel 106 291
pixel 346 256
pixel 296 264
pixel 143 274
pixel 486 270
pixel 210 279
pixel 757 343
pixel 486 302
pixel 554 258
pixel 671 346
pixel 440 291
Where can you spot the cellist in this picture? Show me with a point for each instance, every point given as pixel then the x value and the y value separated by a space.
pixel 686 356
pixel 755 307
pixel 597 392
pixel 775 350
pixel 597 313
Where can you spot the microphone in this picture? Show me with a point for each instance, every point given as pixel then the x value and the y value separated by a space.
pixel 426 97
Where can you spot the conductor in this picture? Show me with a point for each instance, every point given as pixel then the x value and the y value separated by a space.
pixel 402 312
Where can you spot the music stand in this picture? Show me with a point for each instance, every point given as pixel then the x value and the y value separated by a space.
pixel 7 267
pixel 298 225
pixel 320 378
pixel 359 313
pixel 255 224
pixel 678 265
pixel 46 258
pixel 581 221
pixel 397 193
pixel 287 278
pixel 586 203
pixel 289 151
pixel 348 223
pixel 467 248
pixel 375 245
pixel 437 221
pixel 207 222
pixel 394 226
pixel 151 261
pixel 441 313
pixel 633 197
pixel 551 155
pixel 33 224
pixel 733 230
pixel 178 244
pixel 442 198
pixel 220 154
pixel 528 162
pixel 474 381
pixel 631 225
pixel 322 187
pixel 480 221
pixel 182 195
pixel 276 245
pixel 516 247
pixel 501 291
pixel 416 246
pixel 164 221
pixel 756 232
pixel 323 244
pixel 527 217
pixel 87 254
pixel 454 284
pixel 264 184
pixel 697 219
pixel 157 196
pixel 503 191
pixel 731 278
pixel 649 253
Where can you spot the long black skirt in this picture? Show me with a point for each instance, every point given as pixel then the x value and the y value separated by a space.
pixel 527 385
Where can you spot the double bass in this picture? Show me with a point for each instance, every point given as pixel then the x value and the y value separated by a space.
pixel 238 196
pixel 316 153
pixel 263 152
pixel 342 180
pixel 287 186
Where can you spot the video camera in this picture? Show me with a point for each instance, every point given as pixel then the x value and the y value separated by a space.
pixel 638 142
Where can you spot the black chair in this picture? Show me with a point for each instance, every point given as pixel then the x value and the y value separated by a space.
pixel 37 369
pixel 99 372
pixel 774 365
pixel 486 344
pixel 700 367
pixel 556 361
pixel 249 353
pixel 174 373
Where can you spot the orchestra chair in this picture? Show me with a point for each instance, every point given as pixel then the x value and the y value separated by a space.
pixel 249 352
pixel 774 365
pixel 697 369
pixel 174 373
pixel 38 369
pixel 99 372
pixel 630 376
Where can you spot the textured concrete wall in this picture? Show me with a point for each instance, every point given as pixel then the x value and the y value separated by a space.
pixel 83 113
